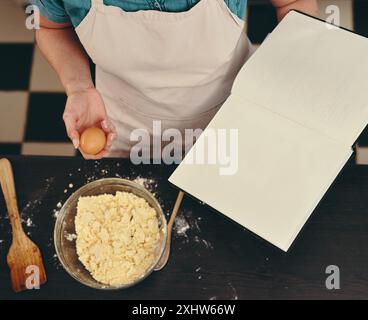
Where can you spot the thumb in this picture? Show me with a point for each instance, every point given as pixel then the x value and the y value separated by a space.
pixel 71 129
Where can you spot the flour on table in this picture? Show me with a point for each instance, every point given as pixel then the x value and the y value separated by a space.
pixel 234 292
pixel 150 184
pixel 56 261
pixel 205 243
pixel 51 242
pixel 181 226
pixel 32 207
pixel 187 227
pixel 55 213
pixel 29 222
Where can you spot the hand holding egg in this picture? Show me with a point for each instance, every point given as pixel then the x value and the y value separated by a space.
pixel 88 125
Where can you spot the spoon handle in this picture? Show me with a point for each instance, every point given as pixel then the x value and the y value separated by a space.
pixel 165 256
pixel 8 187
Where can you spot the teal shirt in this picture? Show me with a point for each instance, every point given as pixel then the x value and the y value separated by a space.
pixel 74 11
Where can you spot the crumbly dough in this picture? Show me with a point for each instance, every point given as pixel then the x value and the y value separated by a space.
pixel 117 236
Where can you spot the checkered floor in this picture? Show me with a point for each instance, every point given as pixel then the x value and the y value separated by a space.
pixel 32 99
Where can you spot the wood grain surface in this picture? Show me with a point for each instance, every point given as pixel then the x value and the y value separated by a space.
pixel 215 258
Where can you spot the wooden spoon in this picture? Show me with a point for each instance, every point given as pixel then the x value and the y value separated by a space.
pixel 24 257
pixel 165 256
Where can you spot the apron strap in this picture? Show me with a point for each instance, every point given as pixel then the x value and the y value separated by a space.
pixel 96 3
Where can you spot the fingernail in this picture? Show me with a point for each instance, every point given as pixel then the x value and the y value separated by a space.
pixel 104 124
pixel 75 143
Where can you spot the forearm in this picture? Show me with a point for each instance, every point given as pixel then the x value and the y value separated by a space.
pixel 62 49
pixel 284 6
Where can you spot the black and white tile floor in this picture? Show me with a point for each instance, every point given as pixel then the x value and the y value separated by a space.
pixel 32 99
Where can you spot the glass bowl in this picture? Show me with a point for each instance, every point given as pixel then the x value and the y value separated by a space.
pixel 64 232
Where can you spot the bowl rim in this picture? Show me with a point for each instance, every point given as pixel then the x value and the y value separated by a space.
pixel 62 213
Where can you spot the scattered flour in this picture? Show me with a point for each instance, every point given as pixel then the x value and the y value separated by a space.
pixel 56 262
pixel 32 207
pixel 55 213
pixel 29 223
pixel 206 243
pixel 181 226
pixel 234 292
pixel 150 184
pixel 51 242
pixel 187 227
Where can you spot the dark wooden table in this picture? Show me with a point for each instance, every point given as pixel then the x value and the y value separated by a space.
pixel 215 258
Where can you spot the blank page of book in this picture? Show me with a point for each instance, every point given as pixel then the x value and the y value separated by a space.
pixel 284 170
pixel 313 74
pixel 296 125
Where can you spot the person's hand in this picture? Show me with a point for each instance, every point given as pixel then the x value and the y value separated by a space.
pixel 85 109
pixel 284 6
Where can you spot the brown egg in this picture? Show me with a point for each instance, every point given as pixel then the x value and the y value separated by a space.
pixel 93 141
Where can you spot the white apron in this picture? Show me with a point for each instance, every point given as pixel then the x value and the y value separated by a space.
pixel 175 67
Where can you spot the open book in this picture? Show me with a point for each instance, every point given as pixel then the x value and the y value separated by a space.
pixel 299 104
